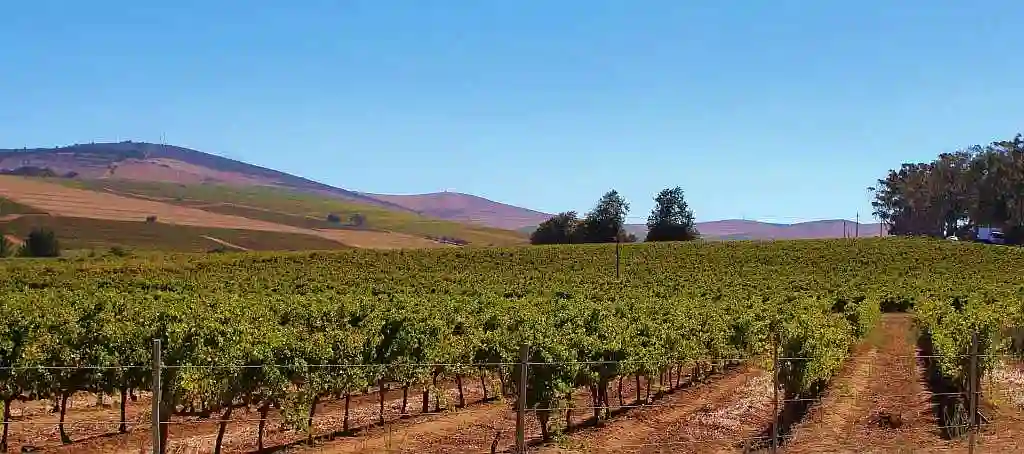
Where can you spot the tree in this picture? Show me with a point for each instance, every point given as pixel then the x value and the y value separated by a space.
pixel 671 218
pixel 41 242
pixel 977 186
pixel 605 222
pixel 357 220
pixel 560 229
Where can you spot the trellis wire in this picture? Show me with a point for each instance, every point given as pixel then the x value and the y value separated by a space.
pixel 972 396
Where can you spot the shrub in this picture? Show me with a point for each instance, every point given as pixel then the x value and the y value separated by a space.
pixel 151 219
pixel 41 242
pixel 357 220
pixel 333 218
pixel 6 246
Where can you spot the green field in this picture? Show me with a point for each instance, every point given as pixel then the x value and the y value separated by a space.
pixel 101 234
pixel 299 209
pixel 409 317
pixel 8 207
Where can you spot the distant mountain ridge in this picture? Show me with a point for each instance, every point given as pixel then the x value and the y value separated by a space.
pixel 739 229
pixel 455 206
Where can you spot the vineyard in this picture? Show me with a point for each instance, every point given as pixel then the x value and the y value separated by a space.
pixel 287 338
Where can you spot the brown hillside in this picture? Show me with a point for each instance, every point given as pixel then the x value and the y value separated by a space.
pixel 170 164
pixel 59 200
pixel 455 206
pixel 166 163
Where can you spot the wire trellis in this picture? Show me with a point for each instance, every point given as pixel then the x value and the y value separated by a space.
pixel 670 365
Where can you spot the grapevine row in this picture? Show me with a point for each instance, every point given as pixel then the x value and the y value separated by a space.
pixel 287 330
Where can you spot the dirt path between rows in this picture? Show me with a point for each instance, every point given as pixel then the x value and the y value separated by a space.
pixel 709 417
pixel 879 403
pixel 473 429
pixel 94 428
pixel 729 406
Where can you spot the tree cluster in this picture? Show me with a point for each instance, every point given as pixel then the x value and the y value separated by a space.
pixel 41 242
pixel 956 192
pixel 670 220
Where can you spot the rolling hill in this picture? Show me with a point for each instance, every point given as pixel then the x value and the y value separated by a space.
pixel 460 207
pixel 196 200
pixel 470 208
pixel 737 229
pixel 179 178
pixel 141 161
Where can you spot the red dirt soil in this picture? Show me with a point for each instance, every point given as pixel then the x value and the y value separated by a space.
pixel 475 429
pixel 93 428
pixel 709 417
pixel 882 378
pixel 885 380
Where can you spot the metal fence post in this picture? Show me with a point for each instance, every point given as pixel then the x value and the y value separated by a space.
pixel 524 356
pixel 775 394
pixel 973 401
pixel 157 365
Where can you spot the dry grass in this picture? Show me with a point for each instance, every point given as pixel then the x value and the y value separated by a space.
pixel 1006 383
pixel 64 201
pixel 101 234
pixel 174 171
pixel 279 205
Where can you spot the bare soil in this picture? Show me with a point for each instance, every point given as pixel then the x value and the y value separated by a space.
pixel 474 429
pixel 93 428
pixel 1003 394
pixel 880 402
pixel 709 417
pixel 480 428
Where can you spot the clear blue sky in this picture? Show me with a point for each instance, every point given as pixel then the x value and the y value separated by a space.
pixel 772 110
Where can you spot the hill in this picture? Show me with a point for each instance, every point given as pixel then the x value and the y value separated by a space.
pixel 182 176
pixel 117 186
pixel 832 228
pixel 738 229
pixel 143 161
pixel 461 207
pixel 455 206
